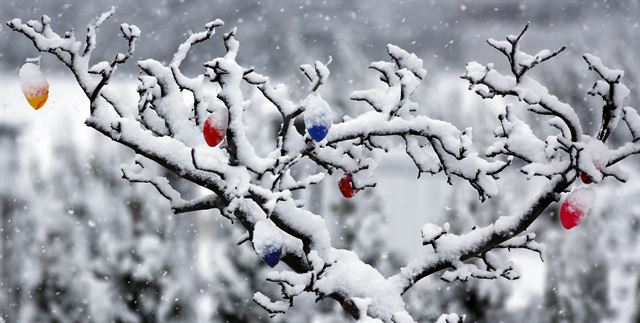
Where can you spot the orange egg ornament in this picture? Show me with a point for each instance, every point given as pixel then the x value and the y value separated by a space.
pixel 34 85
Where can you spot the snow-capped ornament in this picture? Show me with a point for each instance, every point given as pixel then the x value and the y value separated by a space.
pixel 576 206
pixel 346 187
pixel 593 160
pixel 267 242
pixel 317 117
pixel 215 127
pixel 34 85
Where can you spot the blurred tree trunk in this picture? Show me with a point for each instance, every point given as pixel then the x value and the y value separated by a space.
pixel 11 205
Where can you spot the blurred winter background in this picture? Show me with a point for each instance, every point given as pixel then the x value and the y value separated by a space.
pixel 79 244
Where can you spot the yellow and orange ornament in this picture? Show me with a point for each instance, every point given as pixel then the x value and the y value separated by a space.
pixel 34 85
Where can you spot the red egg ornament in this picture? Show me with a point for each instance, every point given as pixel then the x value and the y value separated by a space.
pixel 585 178
pixel 576 207
pixel 215 127
pixel 346 187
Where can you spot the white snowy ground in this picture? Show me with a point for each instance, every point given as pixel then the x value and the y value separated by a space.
pixel 409 203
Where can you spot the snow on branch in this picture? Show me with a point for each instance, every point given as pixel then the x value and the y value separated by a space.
pixel 194 85
pixel 440 239
pixel 519 61
pixel 524 241
pixel 610 89
pixel 451 318
pixel 463 271
pixel 138 173
pixel 451 250
pixel 570 148
pixel 433 145
pixel 129 32
pixel 559 157
pixel 291 283
pixel 632 119
pixel 274 308
pixel 255 190
pixel 316 74
pixel 91 31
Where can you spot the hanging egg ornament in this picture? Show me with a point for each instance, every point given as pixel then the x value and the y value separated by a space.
pixel 585 178
pixel 34 85
pixel 272 257
pixel 346 187
pixel 576 206
pixel 317 117
pixel 318 132
pixel 267 242
pixel 215 126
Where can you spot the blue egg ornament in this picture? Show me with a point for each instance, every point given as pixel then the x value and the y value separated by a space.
pixel 273 257
pixel 318 132
pixel 317 117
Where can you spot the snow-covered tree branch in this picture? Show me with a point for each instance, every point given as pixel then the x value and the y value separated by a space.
pixel 205 141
